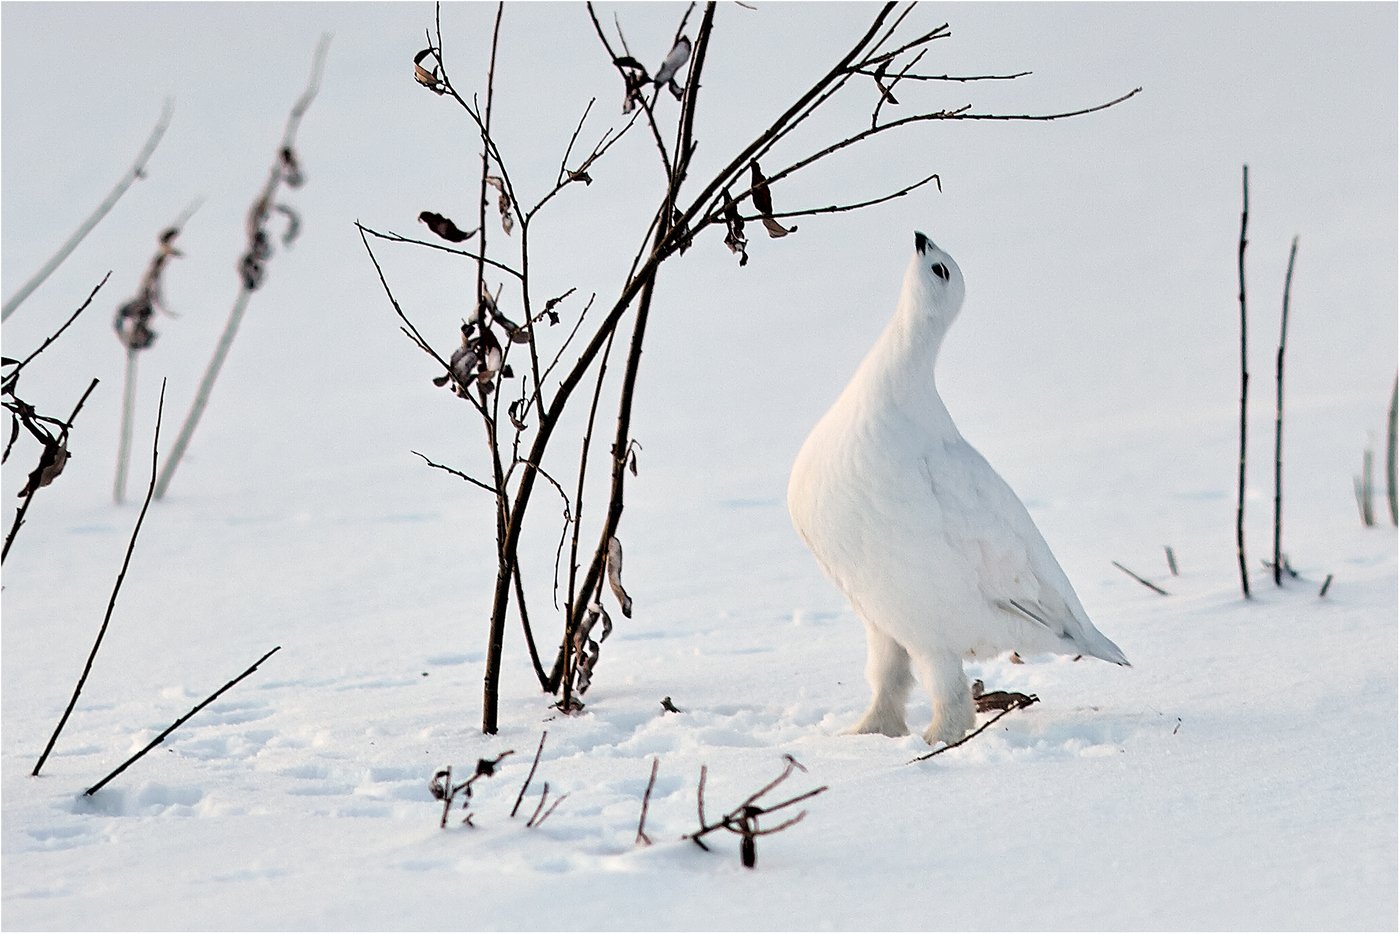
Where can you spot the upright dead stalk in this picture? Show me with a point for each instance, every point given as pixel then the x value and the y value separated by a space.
pixel 116 589
pixel 137 170
pixel 1244 395
pixel 286 170
pixel 1278 422
pixel 1390 443
pixel 133 327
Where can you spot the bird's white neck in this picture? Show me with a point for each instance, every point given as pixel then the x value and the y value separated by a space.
pixel 898 371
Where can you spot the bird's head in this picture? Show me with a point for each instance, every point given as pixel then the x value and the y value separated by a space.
pixel 933 282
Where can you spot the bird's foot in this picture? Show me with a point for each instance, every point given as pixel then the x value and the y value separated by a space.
pixel 951 722
pixel 882 720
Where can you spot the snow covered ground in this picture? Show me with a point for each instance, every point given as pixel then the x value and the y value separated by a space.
pixel 1241 775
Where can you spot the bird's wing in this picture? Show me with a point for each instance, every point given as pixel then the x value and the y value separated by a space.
pixel 985 520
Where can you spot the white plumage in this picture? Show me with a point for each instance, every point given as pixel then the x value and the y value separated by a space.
pixel 937 555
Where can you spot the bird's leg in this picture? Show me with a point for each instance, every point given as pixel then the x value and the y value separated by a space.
pixel 953 712
pixel 887 670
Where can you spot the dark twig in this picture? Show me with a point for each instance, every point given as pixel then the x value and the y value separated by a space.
pixel 545 816
pixel 533 765
pixel 445 791
pixel 642 837
pixel 456 473
pixel 136 171
pixel 1141 580
pixel 743 820
pixel 12 377
pixel 1278 421
pixel 54 448
pixel 176 725
pixel 1325 584
pixel 1244 394
pixel 1171 561
pixel 1390 445
pixel 1031 699
pixel 112 605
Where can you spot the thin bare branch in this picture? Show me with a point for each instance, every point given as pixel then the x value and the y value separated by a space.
pixel 178 723
pixel 111 606
pixel 137 170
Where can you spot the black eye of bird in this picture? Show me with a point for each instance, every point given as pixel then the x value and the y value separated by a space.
pixel 940 271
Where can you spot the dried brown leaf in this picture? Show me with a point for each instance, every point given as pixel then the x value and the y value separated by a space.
pixel 432 80
pixel 445 228
pixel 763 201
pixel 51 463
pixel 615 576
pixel 503 203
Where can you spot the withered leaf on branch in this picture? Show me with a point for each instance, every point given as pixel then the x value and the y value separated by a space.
pixel 444 227
pixel 51 463
pixel 615 576
pixel 675 60
pixel 516 412
pixel 880 83
pixel 734 225
pixel 432 80
pixel 291 168
pixel 634 75
pixel 251 270
pixel 549 306
pixel 685 237
pixel 586 649
pixel 462 366
pixel 293 223
pixel 133 323
pixel 763 200
pixel 503 203
pixel 440 784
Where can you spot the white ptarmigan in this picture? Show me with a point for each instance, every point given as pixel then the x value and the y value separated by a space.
pixel 937 555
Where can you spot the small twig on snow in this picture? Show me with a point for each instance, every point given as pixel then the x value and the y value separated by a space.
pixel 1141 580
pixel 1031 699
pixel 533 765
pixel 642 837
pixel 176 725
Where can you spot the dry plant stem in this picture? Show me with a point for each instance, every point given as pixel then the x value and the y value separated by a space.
pixel 622 438
pixel 12 377
pixel 128 411
pixel 642 837
pixel 178 723
pixel 1325 585
pixel 112 602
pixel 1278 421
pixel 1390 444
pixel 955 745
pixel 533 765
pixel 23 509
pixel 1244 394
pixel 1364 489
pixel 136 171
pixel 1171 561
pixel 206 388
pixel 266 196
pixel 1141 580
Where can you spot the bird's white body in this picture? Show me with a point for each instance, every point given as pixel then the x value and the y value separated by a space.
pixel 937 555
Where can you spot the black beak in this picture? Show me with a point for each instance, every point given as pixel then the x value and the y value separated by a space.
pixel 922 243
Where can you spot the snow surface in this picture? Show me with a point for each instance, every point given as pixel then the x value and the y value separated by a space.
pixel 1241 775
